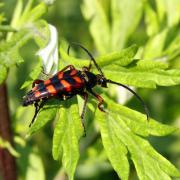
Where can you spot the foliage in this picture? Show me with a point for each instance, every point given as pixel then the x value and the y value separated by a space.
pixel 124 132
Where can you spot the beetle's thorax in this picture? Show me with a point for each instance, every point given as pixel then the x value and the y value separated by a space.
pixel 93 80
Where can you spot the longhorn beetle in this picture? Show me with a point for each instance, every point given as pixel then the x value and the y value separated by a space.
pixel 70 82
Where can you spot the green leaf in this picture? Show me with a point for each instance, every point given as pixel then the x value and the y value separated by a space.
pixel 93 11
pixel 155 45
pixel 122 58
pixel 37 12
pixel 30 15
pixel 121 127
pixel 149 64
pixel 114 147
pixel 71 60
pixel 67 133
pixel 33 75
pixel 122 25
pixel 17 13
pixel 3 73
pixel 35 170
pixel 41 33
pixel 9 51
pixel 137 122
pixel 173 11
pixel 143 77
pixel 45 115
pixel 140 73
pixel 151 20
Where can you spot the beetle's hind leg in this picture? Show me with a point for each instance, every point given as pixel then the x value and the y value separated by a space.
pixel 37 106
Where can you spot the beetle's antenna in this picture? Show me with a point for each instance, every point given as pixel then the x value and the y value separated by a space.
pixel 90 55
pixel 135 94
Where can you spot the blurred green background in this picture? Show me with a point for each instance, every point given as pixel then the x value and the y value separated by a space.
pixel 163 102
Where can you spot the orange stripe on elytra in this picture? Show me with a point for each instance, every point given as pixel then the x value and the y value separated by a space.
pixel 66 85
pixel 46 82
pixel 51 89
pixel 37 94
pixel 60 75
pixel 77 79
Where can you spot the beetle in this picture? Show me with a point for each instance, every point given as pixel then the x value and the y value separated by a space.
pixel 69 82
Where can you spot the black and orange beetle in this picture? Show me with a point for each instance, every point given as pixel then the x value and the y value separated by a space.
pixel 70 82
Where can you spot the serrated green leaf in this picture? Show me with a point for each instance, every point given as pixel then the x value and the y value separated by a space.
pixel 41 33
pixel 149 164
pixel 173 11
pixel 35 170
pixel 37 12
pixel 123 26
pixel 120 163
pixel 114 33
pixel 138 122
pixel 143 77
pixel 155 45
pixel 59 131
pixel 33 75
pixel 93 10
pixel 31 15
pixel 151 20
pixel 45 115
pixel 17 14
pixel 71 60
pixel 122 58
pixel 9 51
pixel 149 64
pixel 158 129
pixel 67 133
pixel 3 73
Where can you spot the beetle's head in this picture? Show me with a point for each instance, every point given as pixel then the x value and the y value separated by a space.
pixel 101 80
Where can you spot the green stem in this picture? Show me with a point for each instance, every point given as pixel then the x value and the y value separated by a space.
pixel 7 28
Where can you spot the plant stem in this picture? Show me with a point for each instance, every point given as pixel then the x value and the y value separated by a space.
pixel 7 161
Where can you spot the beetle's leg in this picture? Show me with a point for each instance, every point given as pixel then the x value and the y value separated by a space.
pixel 89 67
pixel 85 97
pixel 37 81
pixel 71 67
pixel 85 68
pixel 37 109
pixel 99 98
pixel 43 71
pixel 36 105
